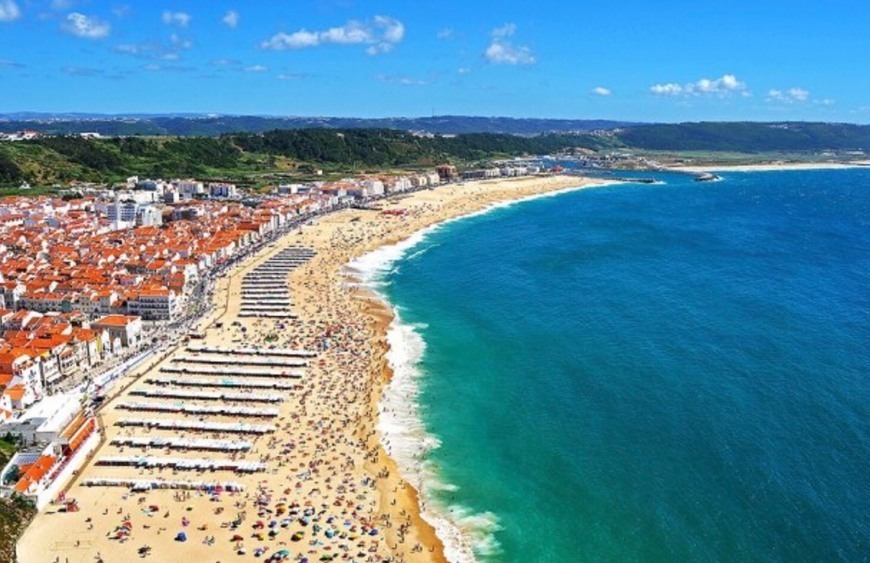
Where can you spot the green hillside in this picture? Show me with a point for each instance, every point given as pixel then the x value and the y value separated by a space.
pixel 57 160
pixel 249 157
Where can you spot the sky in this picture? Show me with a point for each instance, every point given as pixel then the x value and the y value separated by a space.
pixel 637 60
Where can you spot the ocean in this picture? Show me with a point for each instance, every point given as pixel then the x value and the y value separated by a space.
pixel 666 372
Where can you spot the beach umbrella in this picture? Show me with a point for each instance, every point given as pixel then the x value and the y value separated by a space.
pixel 237 537
pixel 181 537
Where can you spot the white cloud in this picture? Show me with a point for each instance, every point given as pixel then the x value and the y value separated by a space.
pixel 226 62
pixel 464 70
pixel 789 96
pixel 601 91
pixel 500 52
pixel 503 51
pixel 380 34
pixel 669 89
pixel 506 30
pixel 170 50
pixel 404 80
pixel 131 49
pixel 9 11
pixel 445 33
pixel 724 86
pixel 231 19
pixel 256 68
pixel 82 71
pixel 61 5
pixel 181 19
pixel 177 42
pixel 88 27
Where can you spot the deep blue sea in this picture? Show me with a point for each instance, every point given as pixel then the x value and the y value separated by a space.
pixel 669 372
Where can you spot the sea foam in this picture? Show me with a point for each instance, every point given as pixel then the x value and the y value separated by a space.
pixel 464 533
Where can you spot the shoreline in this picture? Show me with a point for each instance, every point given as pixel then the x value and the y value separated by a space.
pixel 771 167
pixel 409 437
pixel 331 423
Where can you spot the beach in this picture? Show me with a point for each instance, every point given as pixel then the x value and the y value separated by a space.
pixel 770 167
pixel 318 482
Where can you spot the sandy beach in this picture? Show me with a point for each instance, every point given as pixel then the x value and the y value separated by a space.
pixel 321 485
pixel 771 167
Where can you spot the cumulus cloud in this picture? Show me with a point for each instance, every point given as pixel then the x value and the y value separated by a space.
pixel 789 96
pixel 181 19
pixel 9 11
pixel 501 49
pixel 724 86
pixel 601 91
pixel 231 19
pixel 88 27
pixel 380 34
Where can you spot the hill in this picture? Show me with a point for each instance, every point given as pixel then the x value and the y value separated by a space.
pixel 212 125
pixel 241 156
pixel 246 156
pixel 747 136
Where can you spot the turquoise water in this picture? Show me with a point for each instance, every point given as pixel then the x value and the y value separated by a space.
pixel 671 372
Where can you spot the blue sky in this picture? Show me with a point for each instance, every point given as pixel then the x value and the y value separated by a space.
pixel 641 60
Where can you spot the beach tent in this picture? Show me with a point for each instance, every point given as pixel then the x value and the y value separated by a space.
pixel 181 537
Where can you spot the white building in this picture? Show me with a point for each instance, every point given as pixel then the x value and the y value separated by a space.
pixel 220 190
pixel 149 216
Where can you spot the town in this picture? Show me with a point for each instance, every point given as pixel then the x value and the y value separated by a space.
pixel 99 280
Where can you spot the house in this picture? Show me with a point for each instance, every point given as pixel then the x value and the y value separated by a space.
pixel 126 330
